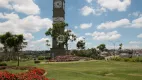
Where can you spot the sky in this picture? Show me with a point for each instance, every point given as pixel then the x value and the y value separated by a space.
pixel 98 21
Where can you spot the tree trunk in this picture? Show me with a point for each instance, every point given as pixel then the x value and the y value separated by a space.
pixel 18 59
pixel 66 45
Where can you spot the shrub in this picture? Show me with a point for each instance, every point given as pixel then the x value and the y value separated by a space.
pixel 135 59
pixel 140 59
pixel 126 59
pixel 91 53
pixel 41 58
pixel 100 58
pixel 116 58
pixel 3 64
pixel 36 62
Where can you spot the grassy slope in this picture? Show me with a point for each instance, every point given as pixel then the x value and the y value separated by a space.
pixel 92 70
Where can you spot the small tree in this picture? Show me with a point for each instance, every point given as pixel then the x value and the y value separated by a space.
pixel 81 44
pixel 14 43
pixel 69 36
pixel 101 47
pixel 120 46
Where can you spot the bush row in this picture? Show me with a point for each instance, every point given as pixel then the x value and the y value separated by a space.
pixel 136 59
pixel 91 53
pixel 3 64
pixel 36 62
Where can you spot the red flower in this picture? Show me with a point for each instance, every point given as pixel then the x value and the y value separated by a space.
pixel 33 74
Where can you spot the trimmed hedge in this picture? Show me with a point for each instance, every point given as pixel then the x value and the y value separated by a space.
pixel 41 57
pixel 3 64
pixel 36 62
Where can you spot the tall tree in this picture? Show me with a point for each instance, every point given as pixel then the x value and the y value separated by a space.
pixel 101 47
pixel 14 43
pixel 81 44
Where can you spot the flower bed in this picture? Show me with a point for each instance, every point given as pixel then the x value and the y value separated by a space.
pixel 67 58
pixel 32 74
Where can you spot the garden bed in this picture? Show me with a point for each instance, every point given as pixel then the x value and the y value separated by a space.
pixel 28 73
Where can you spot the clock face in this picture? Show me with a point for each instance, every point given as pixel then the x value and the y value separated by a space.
pixel 58 4
pixel 58 19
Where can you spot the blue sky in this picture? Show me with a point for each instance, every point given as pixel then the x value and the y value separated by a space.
pixel 99 21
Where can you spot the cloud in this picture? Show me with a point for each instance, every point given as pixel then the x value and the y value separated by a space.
pixel 114 4
pixel 89 1
pixel 136 14
pixel 104 5
pixel 28 24
pixel 135 42
pixel 99 11
pixel 28 36
pixel 38 44
pixel 75 27
pixel 23 6
pixel 137 23
pixel 80 38
pixel 139 36
pixel 86 10
pixel 86 25
pixel 88 34
pixel 5 4
pixel 114 35
pixel 112 25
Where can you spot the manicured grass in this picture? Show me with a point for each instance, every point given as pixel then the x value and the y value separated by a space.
pixel 90 70
pixel 15 71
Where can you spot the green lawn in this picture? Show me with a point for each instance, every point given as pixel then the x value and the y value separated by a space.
pixel 15 71
pixel 91 70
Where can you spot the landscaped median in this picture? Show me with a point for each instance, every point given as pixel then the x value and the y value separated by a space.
pixel 31 74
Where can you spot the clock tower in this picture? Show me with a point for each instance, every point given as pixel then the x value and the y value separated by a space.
pixel 58 16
